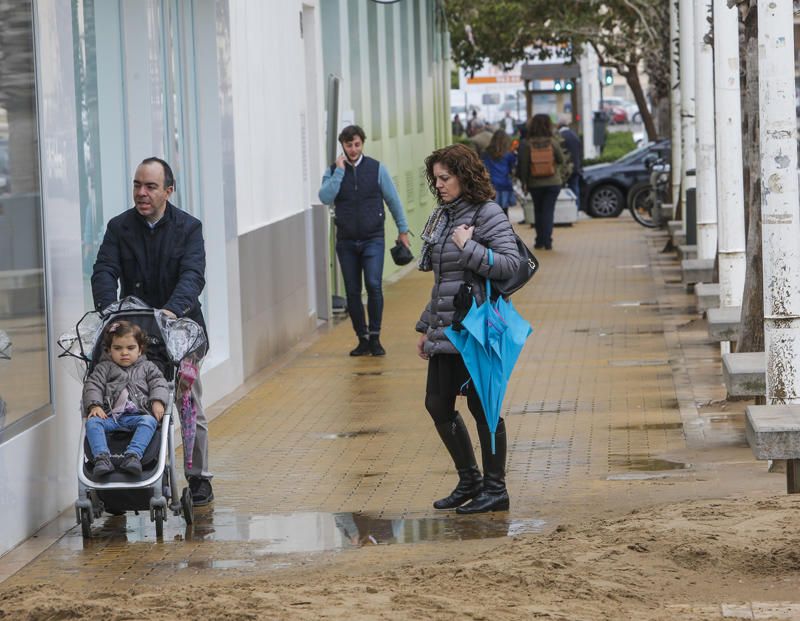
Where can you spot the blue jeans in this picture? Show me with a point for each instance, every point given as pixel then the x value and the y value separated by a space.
pixel 544 211
pixel 503 198
pixel 143 427
pixel 357 257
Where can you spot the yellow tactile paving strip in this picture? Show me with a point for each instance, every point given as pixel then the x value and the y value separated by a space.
pixel 594 419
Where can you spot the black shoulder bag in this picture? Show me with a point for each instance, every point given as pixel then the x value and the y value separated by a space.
pixel 527 268
pixel 528 265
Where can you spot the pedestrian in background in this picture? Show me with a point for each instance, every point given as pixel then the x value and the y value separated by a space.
pixel 474 124
pixel 575 150
pixel 358 186
pixel 465 224
pixel 458 127
pixel 156 252
pixel 501 161
pixel 540 157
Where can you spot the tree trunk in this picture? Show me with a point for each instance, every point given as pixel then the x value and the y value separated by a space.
pixel 752 324
pixel 631 73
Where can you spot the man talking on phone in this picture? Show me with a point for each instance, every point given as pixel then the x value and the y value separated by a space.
pixel 358 186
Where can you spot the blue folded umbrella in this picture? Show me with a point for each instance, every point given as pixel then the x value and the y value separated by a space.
pixel 490 343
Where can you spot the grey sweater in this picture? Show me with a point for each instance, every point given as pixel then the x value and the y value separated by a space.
pixel 143 379
pixel 492 230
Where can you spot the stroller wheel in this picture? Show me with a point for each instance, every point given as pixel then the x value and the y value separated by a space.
pixel 159 516
pixel 187 506
pixel 86 523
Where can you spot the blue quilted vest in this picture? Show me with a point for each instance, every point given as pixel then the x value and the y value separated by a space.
pixel 359 210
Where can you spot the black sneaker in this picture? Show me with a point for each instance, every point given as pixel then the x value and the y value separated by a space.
pixel 375 347
pixel 102 465
pixel 202 494
pixel 363 347
pixel 131 464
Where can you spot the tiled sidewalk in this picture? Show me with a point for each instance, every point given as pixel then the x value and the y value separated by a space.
pixel 614 404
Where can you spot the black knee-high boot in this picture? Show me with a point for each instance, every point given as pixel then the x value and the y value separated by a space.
pixel 493 496
pixel 455 437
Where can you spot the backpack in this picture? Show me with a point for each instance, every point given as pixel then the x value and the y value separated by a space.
pixel 543 160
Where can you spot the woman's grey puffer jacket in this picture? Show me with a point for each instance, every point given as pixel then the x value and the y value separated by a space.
pixel 492 230
pixel 143 379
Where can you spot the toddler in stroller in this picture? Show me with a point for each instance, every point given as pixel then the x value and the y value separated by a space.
pixel 124 392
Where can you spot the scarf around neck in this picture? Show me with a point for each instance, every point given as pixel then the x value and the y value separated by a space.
pixel 434 227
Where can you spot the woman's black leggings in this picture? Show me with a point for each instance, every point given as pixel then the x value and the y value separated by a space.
pixel 447 378
pixel 442 407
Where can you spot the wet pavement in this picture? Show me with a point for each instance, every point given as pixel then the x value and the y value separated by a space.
pixel 616 403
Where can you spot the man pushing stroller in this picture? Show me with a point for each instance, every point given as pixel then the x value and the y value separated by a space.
pixel 155 251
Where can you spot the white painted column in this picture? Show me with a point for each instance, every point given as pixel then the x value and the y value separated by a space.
pixel 589 100
pixel 780 212
pixel 675 99
pixel 704 123
pixel 686 25
pixel 730 190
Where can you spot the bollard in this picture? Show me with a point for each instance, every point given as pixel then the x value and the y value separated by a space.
pixel 691 217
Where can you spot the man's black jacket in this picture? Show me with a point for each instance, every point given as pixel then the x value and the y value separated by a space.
pixel 163 266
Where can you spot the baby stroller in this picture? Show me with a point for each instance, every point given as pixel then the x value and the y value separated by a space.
pixel 171 343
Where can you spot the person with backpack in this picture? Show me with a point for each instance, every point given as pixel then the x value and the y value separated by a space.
pixel 501 161
pixel 540 159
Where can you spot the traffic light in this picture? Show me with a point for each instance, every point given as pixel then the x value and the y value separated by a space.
pixel 569 85
pixel 557 86
pixel 609 76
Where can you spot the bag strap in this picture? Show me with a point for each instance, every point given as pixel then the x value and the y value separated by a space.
pixel 490 259
pixel 468 273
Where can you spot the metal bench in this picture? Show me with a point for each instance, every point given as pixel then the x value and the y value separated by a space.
pixel 773 432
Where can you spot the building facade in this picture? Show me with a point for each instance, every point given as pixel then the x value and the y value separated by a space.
pixel 233 95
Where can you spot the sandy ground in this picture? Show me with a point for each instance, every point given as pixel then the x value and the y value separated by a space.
pixel 691 560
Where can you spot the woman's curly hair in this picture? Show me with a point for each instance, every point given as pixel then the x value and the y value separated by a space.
pixel 462 161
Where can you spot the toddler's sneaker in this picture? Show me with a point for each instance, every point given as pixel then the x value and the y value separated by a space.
pixel 102 465
pixel 131 464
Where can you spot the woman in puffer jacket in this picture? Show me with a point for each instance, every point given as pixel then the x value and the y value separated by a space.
pixel 456 252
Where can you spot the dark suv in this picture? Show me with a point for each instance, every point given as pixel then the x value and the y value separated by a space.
pixel 605 187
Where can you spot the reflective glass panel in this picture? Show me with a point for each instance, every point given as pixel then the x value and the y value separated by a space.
pixel 24 368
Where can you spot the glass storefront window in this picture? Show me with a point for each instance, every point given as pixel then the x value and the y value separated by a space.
pixel 24 367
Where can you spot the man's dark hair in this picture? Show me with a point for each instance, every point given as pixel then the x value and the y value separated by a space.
pixel 169 177
pixel 350 132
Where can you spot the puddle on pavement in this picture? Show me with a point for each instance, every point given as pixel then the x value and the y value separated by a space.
pixel 652 427
pixel 631 333
pixel 347 434
pixel 636 303
pixel 543 407
pixel 646 464
pixel 638 363
pixel 300 532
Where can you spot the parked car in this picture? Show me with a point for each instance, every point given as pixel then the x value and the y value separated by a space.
pixel 616 114
pixel 605 187
pixel 630 107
